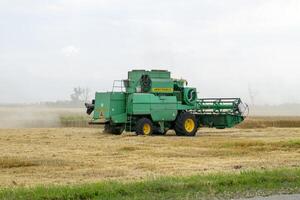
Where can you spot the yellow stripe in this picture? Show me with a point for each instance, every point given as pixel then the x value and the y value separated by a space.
pixel 162 89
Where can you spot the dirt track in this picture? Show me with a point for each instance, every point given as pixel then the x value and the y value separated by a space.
pixel 77 155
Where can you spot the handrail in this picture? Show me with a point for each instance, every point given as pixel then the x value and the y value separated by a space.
pixel 121 85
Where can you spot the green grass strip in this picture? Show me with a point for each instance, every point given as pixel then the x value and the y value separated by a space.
pixel 210 186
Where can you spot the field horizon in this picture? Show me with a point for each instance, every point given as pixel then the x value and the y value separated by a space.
pixel 53 117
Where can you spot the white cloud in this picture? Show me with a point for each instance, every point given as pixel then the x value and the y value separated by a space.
pixel 70 50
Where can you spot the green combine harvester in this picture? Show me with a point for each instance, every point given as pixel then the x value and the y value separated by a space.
pixel 151 102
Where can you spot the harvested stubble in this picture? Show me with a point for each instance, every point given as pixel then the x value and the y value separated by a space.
pixel 12 162
pixel 79 155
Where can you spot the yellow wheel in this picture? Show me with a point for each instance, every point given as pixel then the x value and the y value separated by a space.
pixel 186 124
pixel 144 126
pixel 189 125
pixel 146 129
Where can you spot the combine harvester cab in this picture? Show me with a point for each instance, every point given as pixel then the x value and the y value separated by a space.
pixel 153 103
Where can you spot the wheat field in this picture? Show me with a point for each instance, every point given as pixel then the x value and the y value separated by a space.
pixel 35 156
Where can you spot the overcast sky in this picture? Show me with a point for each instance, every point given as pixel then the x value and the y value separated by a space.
pixel 223 47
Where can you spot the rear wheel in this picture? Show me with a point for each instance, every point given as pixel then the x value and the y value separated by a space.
pixel 114 129
pixel 144 126
pixel 186 124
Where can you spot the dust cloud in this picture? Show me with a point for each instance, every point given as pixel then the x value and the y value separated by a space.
pixel 27 117
pixel 33 116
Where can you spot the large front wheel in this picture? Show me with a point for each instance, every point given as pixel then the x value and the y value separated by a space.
pixel 186 124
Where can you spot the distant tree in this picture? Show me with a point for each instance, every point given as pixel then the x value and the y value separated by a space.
pixel 80 95
pixel 86 94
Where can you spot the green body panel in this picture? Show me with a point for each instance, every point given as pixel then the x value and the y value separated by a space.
pixel 183 107
pixel 119 118
pixel 138 104
pixel 110 105
pixel 162 86
pixel 161 108
pixel 160 80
